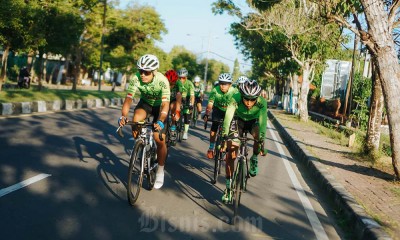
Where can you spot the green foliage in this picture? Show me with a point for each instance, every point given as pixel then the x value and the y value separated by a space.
pixel 362 90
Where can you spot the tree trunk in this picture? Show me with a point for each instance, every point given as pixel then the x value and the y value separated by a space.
pixel 77 68
pixel 375 116
pixel 40 75
pixel 4 66
pixel 305 87
pixel 382 46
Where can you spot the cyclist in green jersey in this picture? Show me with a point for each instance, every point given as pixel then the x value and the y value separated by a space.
pixel 247 111
pixel 187 99
pixel 154 101
pixel 176 99
pixel 218 102
pixel 198 93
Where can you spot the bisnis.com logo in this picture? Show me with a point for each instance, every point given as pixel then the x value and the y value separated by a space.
pixel 152 220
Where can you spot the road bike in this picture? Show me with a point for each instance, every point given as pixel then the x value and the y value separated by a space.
pixel 240 174
pixel 219 156
pixel 143 159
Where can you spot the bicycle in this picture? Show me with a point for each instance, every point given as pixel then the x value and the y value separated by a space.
pixel 195 116
pixel 219 156
pixel 240 174
pixel 143 159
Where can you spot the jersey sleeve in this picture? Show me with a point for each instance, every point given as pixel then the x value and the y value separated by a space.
pixel 165 91
pixel 133 86
pixel 230 112
pixel 262 119
pixel 211 98
pixel 179 86
pixel 191 89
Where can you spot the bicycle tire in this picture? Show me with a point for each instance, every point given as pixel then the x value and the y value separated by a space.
pixel 135 174
pixel 237 191
pixel 216 160
pixel 151 175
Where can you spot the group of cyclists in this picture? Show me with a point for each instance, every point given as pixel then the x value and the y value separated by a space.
pixel 238 106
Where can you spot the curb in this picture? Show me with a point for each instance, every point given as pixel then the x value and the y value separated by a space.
pixel 12 109
pixel 364 227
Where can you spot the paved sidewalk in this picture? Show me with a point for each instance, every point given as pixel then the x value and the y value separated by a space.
pixel 299 138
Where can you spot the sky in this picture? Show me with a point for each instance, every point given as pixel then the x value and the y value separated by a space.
pixel 191 24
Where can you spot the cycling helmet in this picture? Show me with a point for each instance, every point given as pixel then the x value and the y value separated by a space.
pixel 250 89
pixel 172 76
pixel 241 79
pixel 225 77
pixel 183 72
pixel 148 62
pixel 197 79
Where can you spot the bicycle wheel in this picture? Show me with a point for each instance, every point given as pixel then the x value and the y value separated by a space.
pixel 217 157
pixel 151 175
pixel 238 180
pixel 135 174
pixel 180 129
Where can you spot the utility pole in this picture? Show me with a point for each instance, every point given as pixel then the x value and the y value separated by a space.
pixel 350 82
pixel 206 67
pixel 102 41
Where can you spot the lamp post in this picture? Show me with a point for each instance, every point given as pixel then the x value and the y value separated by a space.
pixel 102 42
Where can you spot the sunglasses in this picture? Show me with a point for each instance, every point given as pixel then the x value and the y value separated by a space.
pixel 250 99
pixel 224 83
pixel 146 73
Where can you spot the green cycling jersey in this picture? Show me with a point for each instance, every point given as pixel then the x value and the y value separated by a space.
pixel 198 90
pixel 219 99
pixel 237 108
pixel 177 88
pixel 154 92
pixel 187 89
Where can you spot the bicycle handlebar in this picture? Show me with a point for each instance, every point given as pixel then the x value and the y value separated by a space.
pixel 146 124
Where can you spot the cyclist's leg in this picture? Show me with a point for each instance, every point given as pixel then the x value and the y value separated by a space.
pixel 186 118
pixel 254 160
pixel 229 169
pixel 217 115
pixel 161 151
pixel 173 121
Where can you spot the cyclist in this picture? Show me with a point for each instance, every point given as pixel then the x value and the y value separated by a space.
pixel 176 99
pixel 247 111
pixel 154 100
pixel 198 94
pixel 187 99
pixel 218 102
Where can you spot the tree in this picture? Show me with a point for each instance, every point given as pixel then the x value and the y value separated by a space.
pixel 381 19
pixel 308 39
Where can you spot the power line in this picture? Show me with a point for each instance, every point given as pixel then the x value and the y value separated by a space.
pixel 242 63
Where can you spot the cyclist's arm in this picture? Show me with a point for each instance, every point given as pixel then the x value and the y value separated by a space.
pixel 163 111
pixel 126 106
pixel 165 99
pixel 262 119
pixel 191 94
pixel 230 111
pixel 210 103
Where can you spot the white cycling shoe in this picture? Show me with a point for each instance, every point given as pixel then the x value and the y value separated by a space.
pixel 185 136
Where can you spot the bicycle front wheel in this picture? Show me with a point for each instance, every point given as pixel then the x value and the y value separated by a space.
pixel 135 174
pixel 238 185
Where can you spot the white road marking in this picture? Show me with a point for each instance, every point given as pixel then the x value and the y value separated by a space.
pixel 311 215
pixel 23 184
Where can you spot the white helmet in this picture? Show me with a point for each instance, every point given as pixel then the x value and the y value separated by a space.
pixel 241 79
pixel 250 89
pixel 225 77
pixel 197 79
pixel 148 62
pixel 183 72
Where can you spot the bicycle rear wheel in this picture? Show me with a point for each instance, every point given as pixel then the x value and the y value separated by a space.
pixel 237 186
pixel 135 174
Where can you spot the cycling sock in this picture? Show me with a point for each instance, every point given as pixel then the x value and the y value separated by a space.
pixel 212 145
pixel 186 127
pixel 160 169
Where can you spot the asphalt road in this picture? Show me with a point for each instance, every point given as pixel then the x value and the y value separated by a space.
pixel 63 176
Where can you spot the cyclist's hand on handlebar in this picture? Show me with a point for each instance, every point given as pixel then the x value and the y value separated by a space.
pixel 159 125
pixel 205 117
pixel 122 121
